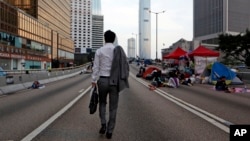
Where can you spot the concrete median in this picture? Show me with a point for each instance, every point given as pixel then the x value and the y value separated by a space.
pixel 17 87
pixel 24 81
pixel 12 88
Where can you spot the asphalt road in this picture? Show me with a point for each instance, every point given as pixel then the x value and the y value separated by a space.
pixel 23 111
pixel 188 113
pixel 142 116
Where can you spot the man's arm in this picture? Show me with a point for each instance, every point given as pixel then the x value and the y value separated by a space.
pixel 95 73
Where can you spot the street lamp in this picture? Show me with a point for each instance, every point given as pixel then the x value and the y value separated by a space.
pixel 156 14
pixel 135 44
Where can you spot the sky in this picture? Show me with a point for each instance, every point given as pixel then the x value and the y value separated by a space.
pixel 121 16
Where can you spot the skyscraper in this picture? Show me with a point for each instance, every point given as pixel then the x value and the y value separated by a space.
pixel 212 17
pixel 97 26
pixel 144 29
pixel 131 48
pixel 40 31
pixel 81 25
pixel 96 7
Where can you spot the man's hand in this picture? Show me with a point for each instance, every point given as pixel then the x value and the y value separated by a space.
pixel 93 84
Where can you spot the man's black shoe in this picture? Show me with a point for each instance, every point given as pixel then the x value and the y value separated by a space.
pixel 109 135
pixel 103 129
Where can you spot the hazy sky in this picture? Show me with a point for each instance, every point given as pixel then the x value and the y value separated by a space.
pixel 121 16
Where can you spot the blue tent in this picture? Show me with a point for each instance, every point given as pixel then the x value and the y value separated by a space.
pixel 2 72
pixel 148 62
pixel 219 70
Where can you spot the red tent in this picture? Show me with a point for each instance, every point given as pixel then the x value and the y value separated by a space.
pixel 203 51
pixel 176 54
pixel 149 71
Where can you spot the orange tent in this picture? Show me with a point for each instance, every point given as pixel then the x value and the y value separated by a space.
pixel 149 71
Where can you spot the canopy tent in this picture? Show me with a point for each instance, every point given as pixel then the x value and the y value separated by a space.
pixel 176 54
pixel 202 57
pixel 203 51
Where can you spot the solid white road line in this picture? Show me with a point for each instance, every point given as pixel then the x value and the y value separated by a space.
pixel 81 90
pixel 42 127
pixel 217 121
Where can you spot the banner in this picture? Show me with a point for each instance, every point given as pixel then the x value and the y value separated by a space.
pixel 202 62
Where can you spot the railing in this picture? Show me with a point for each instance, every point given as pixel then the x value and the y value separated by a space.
pixel 32 71
pixel 30 75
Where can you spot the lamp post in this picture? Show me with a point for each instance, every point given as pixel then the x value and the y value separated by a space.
pixel 135 44
pixel 156 14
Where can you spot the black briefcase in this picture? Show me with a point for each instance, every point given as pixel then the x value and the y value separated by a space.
pixel 93 100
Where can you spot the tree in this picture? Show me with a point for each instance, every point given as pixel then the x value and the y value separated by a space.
pixel 247 62
pixel 235 46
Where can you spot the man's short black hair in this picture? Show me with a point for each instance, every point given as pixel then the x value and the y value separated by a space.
pixel 109 36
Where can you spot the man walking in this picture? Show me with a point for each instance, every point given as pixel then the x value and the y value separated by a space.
pixel 112 69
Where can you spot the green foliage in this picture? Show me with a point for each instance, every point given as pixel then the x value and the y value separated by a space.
pixel 235 47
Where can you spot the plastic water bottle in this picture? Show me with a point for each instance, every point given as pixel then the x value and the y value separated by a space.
pixel 244 89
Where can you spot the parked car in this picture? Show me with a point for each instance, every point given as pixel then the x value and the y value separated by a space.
pixel 2 72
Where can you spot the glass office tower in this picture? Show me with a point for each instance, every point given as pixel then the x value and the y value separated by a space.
pixel 213 17
pixel 131 48
pixel 144 29
pixel 97 26
pixel 25 43
pixel 55 16
pixel 96 7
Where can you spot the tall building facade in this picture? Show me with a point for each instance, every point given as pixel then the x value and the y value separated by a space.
pixel 33 37
pixel 96 7
pixel 144 29
pixel 131 48
pixel 56 14
pixel 97 26
pixel 81 25
pixel 213 17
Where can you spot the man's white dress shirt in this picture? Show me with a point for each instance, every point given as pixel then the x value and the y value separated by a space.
pixel 103 61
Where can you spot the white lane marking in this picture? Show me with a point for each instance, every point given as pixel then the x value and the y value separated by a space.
pixel 81 90
pixel 217 121
pixel 38 130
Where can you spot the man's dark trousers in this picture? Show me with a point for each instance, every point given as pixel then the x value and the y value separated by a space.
pixel 104 90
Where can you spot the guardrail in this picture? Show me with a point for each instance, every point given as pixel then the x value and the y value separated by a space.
pixel 245 76
pixel 22 76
